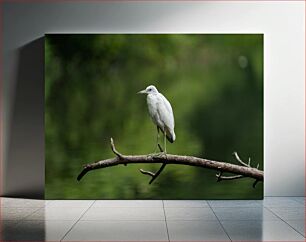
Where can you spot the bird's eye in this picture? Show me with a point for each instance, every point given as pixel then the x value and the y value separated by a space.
pixel 150 89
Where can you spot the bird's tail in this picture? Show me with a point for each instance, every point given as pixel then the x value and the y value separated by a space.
pixel 170 136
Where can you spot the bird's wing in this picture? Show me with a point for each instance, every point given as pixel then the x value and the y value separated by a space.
pixel 165 112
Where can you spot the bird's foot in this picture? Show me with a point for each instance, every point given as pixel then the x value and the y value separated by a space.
pixel 162 154
pixel 152 155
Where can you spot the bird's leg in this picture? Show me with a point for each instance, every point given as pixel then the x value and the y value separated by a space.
pixel 157 139
pixel 157 147
pixel 163 152
pixel 165 142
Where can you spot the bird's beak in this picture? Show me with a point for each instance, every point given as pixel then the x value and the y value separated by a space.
pixel 142 92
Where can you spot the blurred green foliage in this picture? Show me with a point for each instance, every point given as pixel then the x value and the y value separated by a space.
pixel 213 81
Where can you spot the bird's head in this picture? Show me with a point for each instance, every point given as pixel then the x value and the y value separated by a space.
pixel 149 90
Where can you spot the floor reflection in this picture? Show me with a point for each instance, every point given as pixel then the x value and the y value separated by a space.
pixel 37 220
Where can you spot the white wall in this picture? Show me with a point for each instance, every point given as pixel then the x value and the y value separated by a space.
pixel 283 25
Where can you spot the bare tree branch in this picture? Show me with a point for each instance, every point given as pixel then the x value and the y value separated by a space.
pixel 239 171
pixel 235 154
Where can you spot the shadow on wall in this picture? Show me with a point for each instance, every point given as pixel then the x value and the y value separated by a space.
pixel 25 152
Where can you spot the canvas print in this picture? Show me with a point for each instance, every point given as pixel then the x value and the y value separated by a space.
pixel 154 116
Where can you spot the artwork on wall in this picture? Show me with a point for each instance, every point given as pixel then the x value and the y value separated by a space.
pixel 184 111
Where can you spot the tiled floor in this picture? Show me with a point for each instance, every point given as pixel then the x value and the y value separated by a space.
pixel 274 219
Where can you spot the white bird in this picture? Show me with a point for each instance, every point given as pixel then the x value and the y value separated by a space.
pixel 161 113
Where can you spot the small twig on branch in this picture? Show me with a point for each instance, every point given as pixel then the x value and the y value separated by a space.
pixel 152 174
pixel 255 182
pixel 149 173
pixel 114 149
pixel 220 177
pixel 239 171
pixel 235 154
